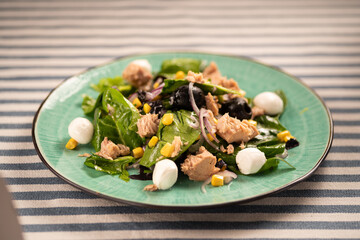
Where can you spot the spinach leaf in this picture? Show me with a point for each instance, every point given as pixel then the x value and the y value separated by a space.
pixel 172 84
pixel 116 119
pixel 108 83
pixel 116 166
pixel 270 123
pixel 166 133
pixel 271 148
pixel 180 64
pixel 273 163
pixel 282 95
pixel 88 104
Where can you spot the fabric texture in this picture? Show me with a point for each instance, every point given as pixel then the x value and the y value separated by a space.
pixel 43 42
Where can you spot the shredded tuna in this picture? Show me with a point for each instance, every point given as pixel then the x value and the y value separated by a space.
pixel 201 166
pixel 124 150
pixel 110 150
pixel 242 145
pixel 177 146
pixel 212 72
pixel 151 188
pixel 195 77
pixel 257 111
pixel 148 125
pixel 222 149
pixel 234 130
pixel 230 149
pixel 136 75
pixel 211 104
pixel 84 155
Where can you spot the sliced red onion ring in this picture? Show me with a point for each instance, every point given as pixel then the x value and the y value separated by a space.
pixel 202 127
pixel 132 97
pixel 192 99
pixel 154 93
pixel 209 127
pixel 195 123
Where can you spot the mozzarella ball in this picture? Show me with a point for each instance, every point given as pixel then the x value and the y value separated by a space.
pixel 165 174
pixel 270 102
pixel 143 63
pixel 250 160
pixel 81 130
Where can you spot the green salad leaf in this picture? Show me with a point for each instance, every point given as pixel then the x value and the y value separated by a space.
pixel 88 104
pixel 116 166
pixel 180 64
pixel 105 83
pixel 166 133
pixel 172 84
pixel 116 119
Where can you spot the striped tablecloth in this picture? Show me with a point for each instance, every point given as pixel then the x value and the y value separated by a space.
pixel 43 42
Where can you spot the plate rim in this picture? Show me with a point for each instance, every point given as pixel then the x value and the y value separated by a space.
pixel 187 207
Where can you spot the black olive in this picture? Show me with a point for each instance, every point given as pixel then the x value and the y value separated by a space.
pixel 237 108
pixel 291 143
pixel 142 175
pixel 141 95
pixel 157 108
pixel 220 164
pixel 180 98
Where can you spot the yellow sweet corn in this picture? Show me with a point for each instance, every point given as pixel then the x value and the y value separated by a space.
pixel 210 137
pixel 217 180
pixel 179 75
pixel 137 103
pixel 71 144
pixel 167 150
pixel 284 136
pixel 167 119
pixel 252 122
pixel 146 108
pixel 153 141
pixel 138 152
pixel 156 85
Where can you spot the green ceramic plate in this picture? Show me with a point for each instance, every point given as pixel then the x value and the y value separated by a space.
pixel 305 116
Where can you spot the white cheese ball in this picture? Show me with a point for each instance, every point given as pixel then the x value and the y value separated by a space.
pixel 165 174
pixel 270 102
pixel 143 63
pixel 81 130
pixel 250 160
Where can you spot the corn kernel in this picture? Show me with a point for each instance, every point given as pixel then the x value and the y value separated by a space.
pixel 217 180
pixel 284 136
pixel 210 137
pixel 215 120
pixel 167 119
pixel 180 75
pixel 71 144
pixel 158 97
pixel 252 122
pixel 153 141
pixel 136 102
pixel 146 108
pixel 156 85
pixel 138 152
pixel 167 150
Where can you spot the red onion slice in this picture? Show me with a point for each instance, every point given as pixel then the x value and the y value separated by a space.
pixel 132 97
pixel 202 127
pixel 209 127
pixel 192 99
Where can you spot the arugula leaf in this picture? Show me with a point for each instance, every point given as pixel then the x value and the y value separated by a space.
pixel 180 64
pixel 166 133
pixel 172 84
pixel 116 166
pixel 116 119
pixel 108 83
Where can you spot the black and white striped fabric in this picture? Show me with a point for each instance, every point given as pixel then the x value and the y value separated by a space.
pixel 43 42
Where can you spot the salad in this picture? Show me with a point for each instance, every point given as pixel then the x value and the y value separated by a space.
pixel 186 119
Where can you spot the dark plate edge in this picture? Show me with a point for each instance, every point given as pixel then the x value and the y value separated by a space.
pixel 184 207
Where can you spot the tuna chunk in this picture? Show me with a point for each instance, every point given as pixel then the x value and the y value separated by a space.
pixel 148 125
pixel 234 130
pixel 201 166
pixel 211 104
pixel 110 150
pixel 214 74
pixel 195 77
pixel 177 146
pixel 257 111
pixel 137 76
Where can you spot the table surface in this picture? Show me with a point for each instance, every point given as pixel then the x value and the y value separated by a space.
pixel 43 42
